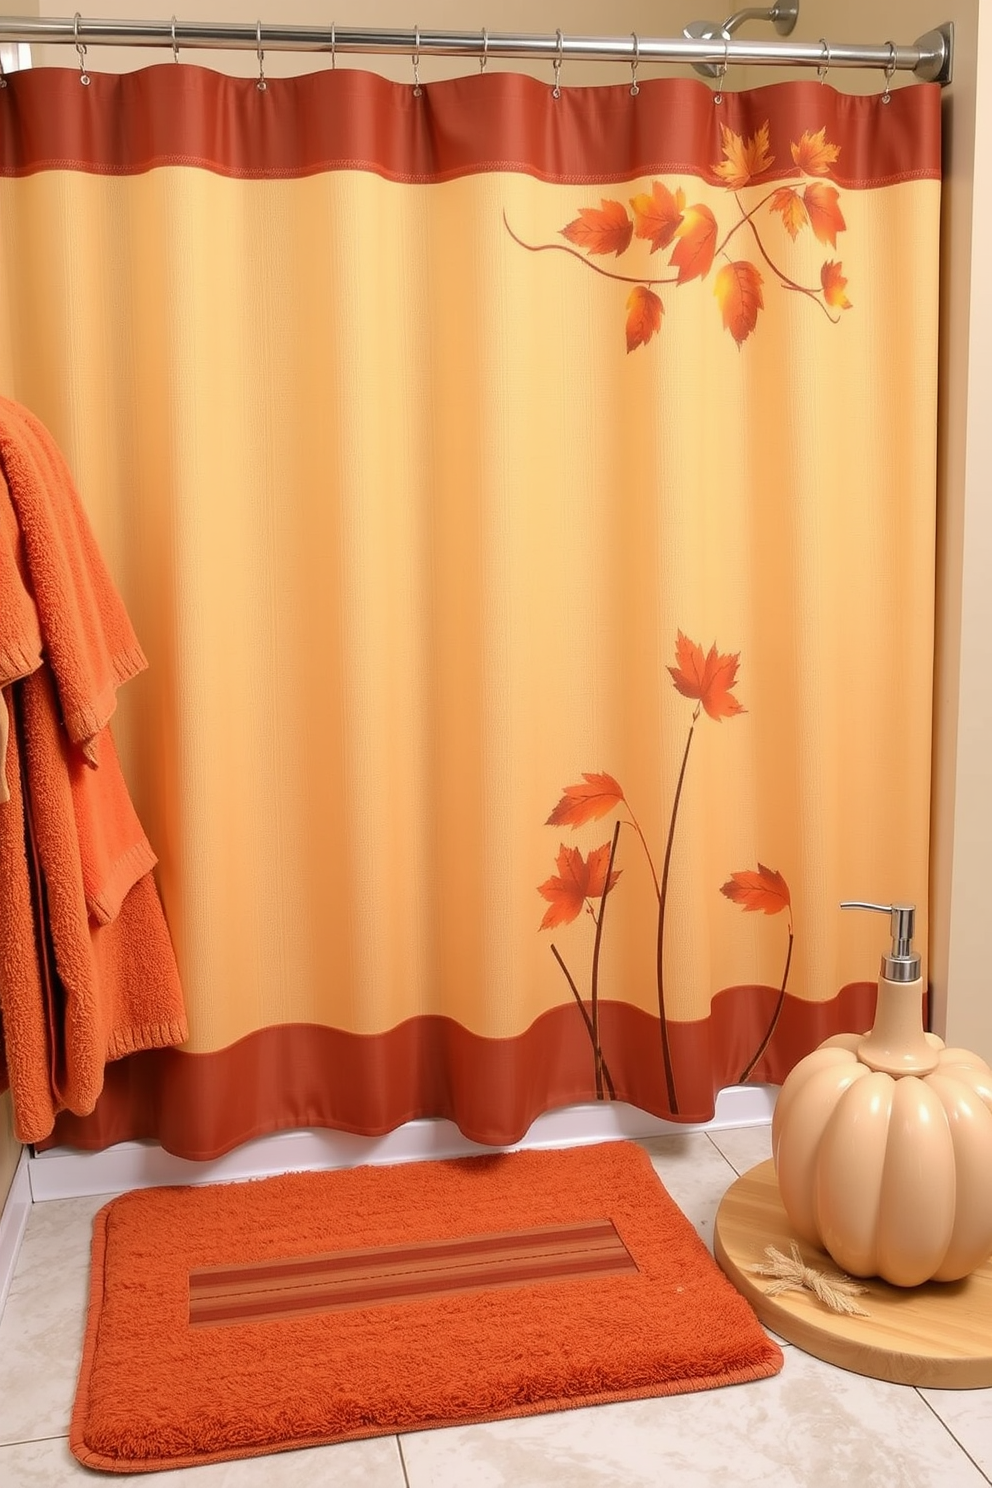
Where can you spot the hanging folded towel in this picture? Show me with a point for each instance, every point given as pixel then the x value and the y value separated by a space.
pixel 87 969
pixel 20 630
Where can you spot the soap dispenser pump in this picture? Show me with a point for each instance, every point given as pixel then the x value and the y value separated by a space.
pixel 882 1142
pixel 897 1043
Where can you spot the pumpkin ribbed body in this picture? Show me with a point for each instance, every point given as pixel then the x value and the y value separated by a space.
pixel 891 1175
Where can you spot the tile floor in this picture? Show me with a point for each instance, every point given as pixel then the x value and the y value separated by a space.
pixel 812 1426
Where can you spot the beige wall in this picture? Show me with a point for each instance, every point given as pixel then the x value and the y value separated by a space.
pixel 962 788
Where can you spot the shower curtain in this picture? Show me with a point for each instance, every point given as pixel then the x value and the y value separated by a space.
pixel 526 505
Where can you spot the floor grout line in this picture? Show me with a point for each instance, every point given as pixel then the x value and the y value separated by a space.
pixel 406 1475
pixel 930 1407
pixel 710 1139
pixel 32 1441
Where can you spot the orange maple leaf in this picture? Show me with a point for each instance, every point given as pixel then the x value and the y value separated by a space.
pixel 765 890
pixel 644 312
pixel 593 797
pixel 693 253
pixel 602 229
pixel 656 217
pixel 813 155
pixel 826 218
pixel 743 158
pixel 707 678
pixel 738 293
pixel 577 880
pixel 790 204
pixel 834 286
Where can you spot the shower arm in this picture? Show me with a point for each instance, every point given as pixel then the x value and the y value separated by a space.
pixel 782 17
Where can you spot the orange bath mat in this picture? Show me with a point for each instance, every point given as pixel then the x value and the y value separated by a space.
pixel 238 1319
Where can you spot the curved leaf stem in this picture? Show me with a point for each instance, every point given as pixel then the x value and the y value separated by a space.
pixel 594 984
pixel 775 1015
pixel 745 218
pixel 784 280
pixel 647 851
pixel 574 253
pixel 833 319
pixel 587 1021
pixel 662 901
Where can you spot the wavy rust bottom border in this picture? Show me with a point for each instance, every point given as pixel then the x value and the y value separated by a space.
pixel 294 1076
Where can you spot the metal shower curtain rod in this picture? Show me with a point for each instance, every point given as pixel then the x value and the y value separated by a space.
pixel 928 58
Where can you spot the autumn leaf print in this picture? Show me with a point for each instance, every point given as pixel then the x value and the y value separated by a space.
pixel 593 797
pixel 644 312
pixel 707 678
pixel 813 155
pixel 825 216
pixel 696 243
pixel 578 879
pixel 743 159
pixel 657 217
pixel 767 892
pixel 834 286
pixel 694 237
pixel 738 293
pixel 792 208
pixel 602 229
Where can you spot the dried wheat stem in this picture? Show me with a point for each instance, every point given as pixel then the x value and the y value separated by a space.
pixel 792 1275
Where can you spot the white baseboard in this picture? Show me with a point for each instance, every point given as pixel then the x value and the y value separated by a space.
pixel 62 1172
pixel 13 1218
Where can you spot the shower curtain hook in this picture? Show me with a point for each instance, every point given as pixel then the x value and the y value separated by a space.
pixel 485 50
pixel 334 46
pixel 261 85
pixel 634 89
pixel 890 68
pixel 417 89
pixel 84 76
pixel 718 95
pixel 175 44
pixel 824 66
pixel 556 90
pixel 3 75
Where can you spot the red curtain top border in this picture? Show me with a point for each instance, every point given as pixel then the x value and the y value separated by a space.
pixel 346 119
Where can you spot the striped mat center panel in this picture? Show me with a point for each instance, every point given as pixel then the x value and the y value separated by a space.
pixel 301 1285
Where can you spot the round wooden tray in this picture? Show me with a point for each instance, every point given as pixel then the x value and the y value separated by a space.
pixel 937 1335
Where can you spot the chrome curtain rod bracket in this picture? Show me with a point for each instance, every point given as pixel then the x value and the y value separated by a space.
pixel 936 55
pixel 929 58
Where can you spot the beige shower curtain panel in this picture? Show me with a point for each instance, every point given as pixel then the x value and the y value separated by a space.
pixel 526 506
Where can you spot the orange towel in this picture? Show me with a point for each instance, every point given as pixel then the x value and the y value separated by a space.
pixel 87 969
pixel 88 639
pixel 20 630
pixel 26 1055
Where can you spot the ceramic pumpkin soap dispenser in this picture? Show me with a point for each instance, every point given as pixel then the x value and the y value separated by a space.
pixel 882 1142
